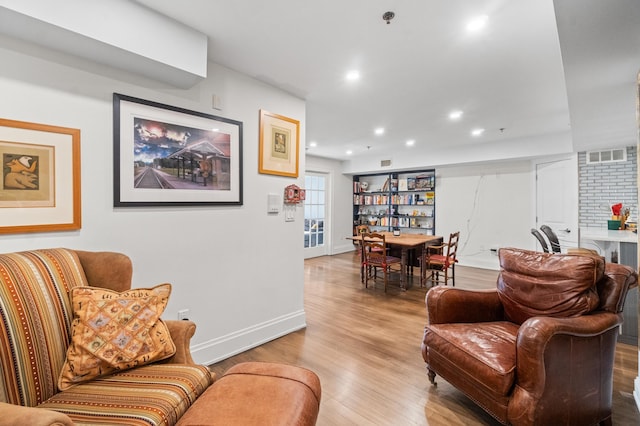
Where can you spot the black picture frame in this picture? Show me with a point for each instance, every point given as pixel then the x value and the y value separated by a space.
pixel 165 155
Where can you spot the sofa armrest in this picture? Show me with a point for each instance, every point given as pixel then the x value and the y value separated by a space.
pixel 559 357
pixel 453 305
pixel 17 415
pixel 181 333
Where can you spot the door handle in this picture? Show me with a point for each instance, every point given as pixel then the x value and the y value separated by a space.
pixel 568 231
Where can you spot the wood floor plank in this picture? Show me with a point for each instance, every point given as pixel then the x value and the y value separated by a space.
pixel 365 347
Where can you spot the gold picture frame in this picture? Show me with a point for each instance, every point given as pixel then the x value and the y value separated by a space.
pixel 40 184
pixel 279 145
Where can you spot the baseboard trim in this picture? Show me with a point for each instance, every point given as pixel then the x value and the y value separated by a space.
pixel 480 262
pixel 223 347
pixel 343 248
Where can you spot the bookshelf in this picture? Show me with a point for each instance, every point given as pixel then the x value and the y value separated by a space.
pixel 396 200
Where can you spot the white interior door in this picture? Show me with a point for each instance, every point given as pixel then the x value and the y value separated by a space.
pixel 557 199
pixel 315 214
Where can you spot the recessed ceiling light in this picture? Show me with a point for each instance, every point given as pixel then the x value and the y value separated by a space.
pixel 477 23
pixel 353 75
pixel 455 115
pixel 313 144
pixel 349 152
pixel 215 130
pixel 379 131
pixel 411 142
pixel 477 132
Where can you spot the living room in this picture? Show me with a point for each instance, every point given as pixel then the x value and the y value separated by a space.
pixel 245 265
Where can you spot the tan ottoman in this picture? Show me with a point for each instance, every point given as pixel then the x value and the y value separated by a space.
pixel 258 393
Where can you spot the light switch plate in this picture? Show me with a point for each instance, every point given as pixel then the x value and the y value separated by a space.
pixel 273 203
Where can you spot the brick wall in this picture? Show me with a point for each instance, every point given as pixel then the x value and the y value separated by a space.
pixel 603 184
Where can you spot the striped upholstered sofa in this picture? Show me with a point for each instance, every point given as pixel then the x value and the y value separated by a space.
pixel 36 319
pixel 46 319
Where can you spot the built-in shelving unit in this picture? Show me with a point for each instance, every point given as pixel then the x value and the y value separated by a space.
pixel 397 200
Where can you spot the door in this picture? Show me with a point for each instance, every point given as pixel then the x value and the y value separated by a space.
pixel 315 214
pixel 557 199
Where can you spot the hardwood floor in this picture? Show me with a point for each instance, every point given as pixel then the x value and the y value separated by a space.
pixel 365 347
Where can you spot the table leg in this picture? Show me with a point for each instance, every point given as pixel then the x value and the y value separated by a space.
pixel 403 262
pixel 423 276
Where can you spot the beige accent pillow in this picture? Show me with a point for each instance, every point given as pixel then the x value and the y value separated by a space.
pixel 114 331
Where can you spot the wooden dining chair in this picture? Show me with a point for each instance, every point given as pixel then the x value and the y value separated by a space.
pixel 441 259
pixel 359 230
pixel 374 256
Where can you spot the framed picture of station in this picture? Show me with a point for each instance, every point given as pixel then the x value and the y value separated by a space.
pixel 166 155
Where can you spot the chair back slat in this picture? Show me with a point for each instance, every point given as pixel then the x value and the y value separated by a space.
pixel 452 246
pixel 375 247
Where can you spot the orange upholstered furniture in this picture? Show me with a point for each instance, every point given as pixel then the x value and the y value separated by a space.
pixel 58 368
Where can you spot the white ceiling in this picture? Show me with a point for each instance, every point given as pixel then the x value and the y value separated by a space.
pixel 517 78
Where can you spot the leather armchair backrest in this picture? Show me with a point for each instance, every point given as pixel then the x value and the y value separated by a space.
pixel 544 284
pixel 613 287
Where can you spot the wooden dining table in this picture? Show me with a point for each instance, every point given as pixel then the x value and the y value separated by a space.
pixel 404 242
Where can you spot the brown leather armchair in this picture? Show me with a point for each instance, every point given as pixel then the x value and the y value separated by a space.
pixel 539 349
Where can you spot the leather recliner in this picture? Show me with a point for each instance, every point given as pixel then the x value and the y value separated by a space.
pixel 539 349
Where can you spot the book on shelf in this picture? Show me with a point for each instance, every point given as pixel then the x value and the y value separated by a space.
pixel 411 184
pixel 430 197
pixel 402 185
pixel 425 181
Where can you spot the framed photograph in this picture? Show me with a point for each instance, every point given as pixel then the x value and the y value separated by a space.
pixel 169 156
pixel 40 190
pixel 279 145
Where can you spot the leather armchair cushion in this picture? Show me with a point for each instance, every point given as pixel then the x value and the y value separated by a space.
pixel 543 284
pixel 487 349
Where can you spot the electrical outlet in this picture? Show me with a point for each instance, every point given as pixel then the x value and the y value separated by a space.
pixel 183 314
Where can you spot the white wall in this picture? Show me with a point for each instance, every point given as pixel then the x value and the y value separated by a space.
pixel 242 288
pixel 492 205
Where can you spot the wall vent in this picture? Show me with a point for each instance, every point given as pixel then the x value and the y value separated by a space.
pixel 607 156
pixel 385 163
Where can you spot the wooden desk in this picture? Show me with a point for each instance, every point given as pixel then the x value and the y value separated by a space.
pixel 405 242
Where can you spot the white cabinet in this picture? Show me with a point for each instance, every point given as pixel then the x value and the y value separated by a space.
pixel 619 247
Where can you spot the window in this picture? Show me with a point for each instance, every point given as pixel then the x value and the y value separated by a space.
pixel 314 211
pixel 607 156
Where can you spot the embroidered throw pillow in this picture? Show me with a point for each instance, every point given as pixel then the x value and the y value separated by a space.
pixel 114 331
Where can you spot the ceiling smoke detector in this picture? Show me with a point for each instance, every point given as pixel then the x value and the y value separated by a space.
pixel 388 16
